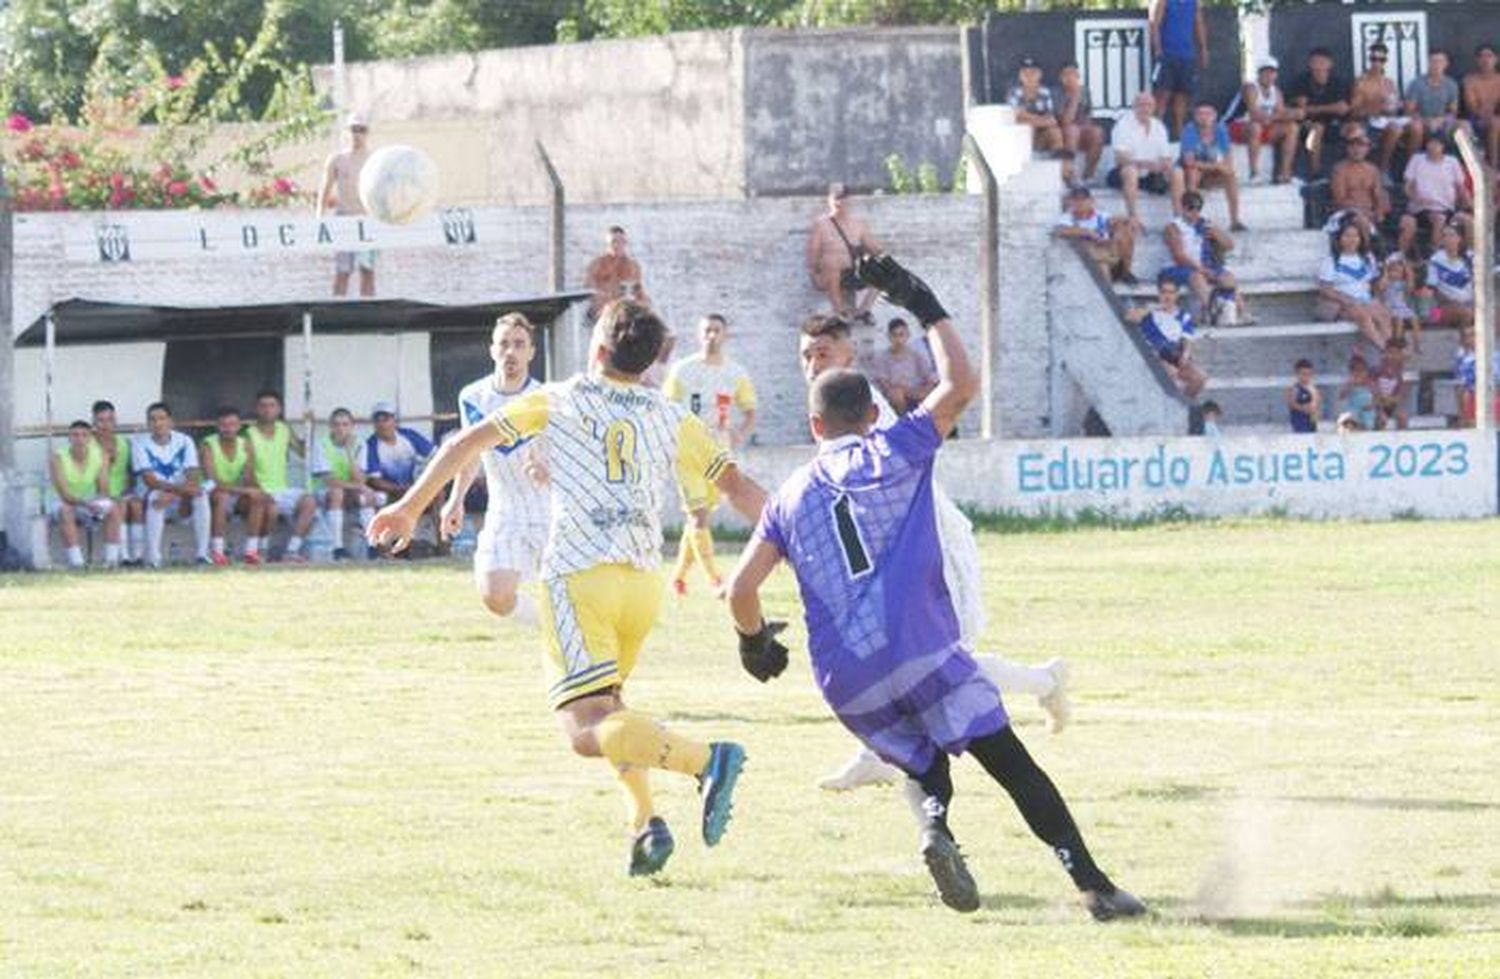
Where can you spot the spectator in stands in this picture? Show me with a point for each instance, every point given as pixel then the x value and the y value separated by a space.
pixel 394 454
pixel 341 192
pixel 272 443
pixel 1267 121
pixel 117 458
pixel 902 372
pixel 1432 103
pixel 1357 186
pixel 1206 161
pixel 836 237
pixel 615 274
pixel 1034 107
pixel 1390 385
pixel 1466 372
pixel 1304 402
pixel 1435 191
pixel 1143 157
pixel 1450 276
pixel 1198 249
pixel 1181 42
pixel 1356 396
pixel 1110 241
pixel 1075 113
pixel 1398 287
pixel 1376 105
pixel 341 479
pixel 171 482
pixel 1482 100
pixel 80 478
pixel 226 457
pixel 1213 419
pixel 1346 283
pixel 1169 330
pixel 1320 100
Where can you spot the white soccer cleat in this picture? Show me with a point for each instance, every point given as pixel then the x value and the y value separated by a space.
pixel 865 768
pixel 1056 703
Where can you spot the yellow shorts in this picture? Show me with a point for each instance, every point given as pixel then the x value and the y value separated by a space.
pixel 595 622
pixel 698 494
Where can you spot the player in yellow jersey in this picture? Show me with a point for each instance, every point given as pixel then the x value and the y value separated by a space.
pixel 612 443
pixel 713 387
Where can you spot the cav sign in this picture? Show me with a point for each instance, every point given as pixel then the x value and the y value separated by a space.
pixel 1431 474
pixel 1114 55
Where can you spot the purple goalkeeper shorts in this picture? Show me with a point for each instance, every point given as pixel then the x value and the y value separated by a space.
pixel 935 702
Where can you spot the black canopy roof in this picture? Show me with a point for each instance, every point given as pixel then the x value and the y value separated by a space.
pixel 85 321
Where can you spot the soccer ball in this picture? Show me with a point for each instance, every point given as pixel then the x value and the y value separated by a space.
pixel 398 184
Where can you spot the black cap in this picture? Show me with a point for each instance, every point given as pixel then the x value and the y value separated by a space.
pixel 1030 62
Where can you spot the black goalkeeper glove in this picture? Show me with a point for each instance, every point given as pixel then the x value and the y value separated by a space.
pixel 761 654
pixel 900 286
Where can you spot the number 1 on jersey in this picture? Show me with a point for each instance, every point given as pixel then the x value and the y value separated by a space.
pixel 856 556
pixel 620 462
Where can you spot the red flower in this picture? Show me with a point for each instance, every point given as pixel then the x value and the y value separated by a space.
pixel 117 197
pixel 18 123
pixel 175 82
pixel 164 172
pixel 208 183
pixel 34 149
pixel 284 186
pixel 69 160
pixel 177 188
pixel 117 180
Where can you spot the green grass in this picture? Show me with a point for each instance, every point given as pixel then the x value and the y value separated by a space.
pixel 1285 741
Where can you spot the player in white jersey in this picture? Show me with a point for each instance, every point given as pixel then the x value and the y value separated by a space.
pixel 510 544
pixel 611 443
pixel 171 482
pixel 825 343
pixel 713 387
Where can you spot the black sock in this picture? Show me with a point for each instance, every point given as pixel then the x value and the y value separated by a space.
pixel 929 795
pixel 1043 808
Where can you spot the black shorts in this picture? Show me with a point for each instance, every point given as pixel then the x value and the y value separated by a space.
pixel 1171 354
pixel 849 282
pixel 1176 75
pixel 1154 182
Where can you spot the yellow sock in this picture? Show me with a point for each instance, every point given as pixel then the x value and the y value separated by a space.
pixel 629 737
pixel 685 555
pixel 703 546
pixel 637 785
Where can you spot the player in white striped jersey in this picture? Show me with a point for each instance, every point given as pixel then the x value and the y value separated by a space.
pixel 509 549
pixel 826 343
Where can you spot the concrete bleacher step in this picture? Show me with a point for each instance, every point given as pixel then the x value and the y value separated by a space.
pixel 1268 208
pixel 1251 287
pixel 1257 254
pixel 1283 427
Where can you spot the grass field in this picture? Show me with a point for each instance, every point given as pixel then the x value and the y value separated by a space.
pixel 1285 740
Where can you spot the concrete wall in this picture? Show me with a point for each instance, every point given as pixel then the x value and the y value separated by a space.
pixel 831 105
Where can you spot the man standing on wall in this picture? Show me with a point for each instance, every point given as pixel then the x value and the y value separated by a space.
pixel 341 192
pixel 1180 43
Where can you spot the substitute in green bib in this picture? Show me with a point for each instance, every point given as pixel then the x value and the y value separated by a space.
pixel 272 443
pixel 341 479
pixel 228 463
pixel 117 456
pixel 81 480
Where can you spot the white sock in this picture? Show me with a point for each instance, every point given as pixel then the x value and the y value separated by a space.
pixel 111 555
pixel 75 557
pixel 201 523
pixel 293 544
pixel 216 545
pixel 336 525
pixel 252 545
pixel 1015 678
pixel 135 536
pixel 156 522
pixel 526 611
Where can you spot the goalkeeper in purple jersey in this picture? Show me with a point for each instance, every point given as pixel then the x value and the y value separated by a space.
pixel 858 526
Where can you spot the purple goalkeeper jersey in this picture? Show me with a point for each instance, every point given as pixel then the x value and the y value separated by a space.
pixel 858 526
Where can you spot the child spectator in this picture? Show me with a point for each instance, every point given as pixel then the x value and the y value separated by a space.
pixel 1206 161
pixel 902 373
pixel 1346 283
pixel 1198 249
pixel 1397 292
pixel 1169 330
pixel 1213 418
pixel 1466 372
pixel 1034 107
pixel 1356 397
pixel 1390 385
pixel 1347 423
pixel 1110 241
pixel 1304 402
pixel 1450 276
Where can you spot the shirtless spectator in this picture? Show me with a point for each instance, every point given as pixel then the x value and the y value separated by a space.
pixel 902 373
pixel 1357 188
pixel 1110 241
pixel 1320 100
pixel 615 274
pixel 1075 113
pixel 1432 103
pixel 1206 160
pixel 1376 104
pixel 1033 104
pixel 341 192
pixel 1267 122
pixel 1482 100
pixel 1435 191
pixel 1143 157
pixel 832 242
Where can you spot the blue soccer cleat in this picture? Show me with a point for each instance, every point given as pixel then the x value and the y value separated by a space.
pixel 716 785
pixel 651 848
